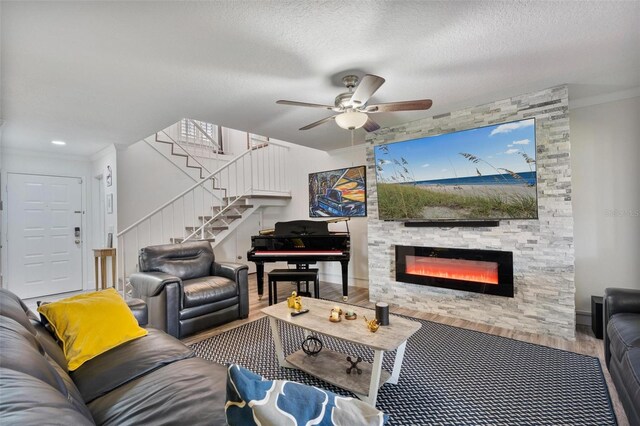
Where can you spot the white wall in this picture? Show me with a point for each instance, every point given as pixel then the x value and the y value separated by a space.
pixel 19 161
pixel 234 142
pixel 147 180
pixel 102 187
pixel 302 161
pixel 605 142
pixel 606 199
pixel 99 163
pixel 234 248
pixel 2 214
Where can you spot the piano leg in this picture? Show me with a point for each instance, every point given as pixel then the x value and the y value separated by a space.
pixel 345 279
pixel 260 278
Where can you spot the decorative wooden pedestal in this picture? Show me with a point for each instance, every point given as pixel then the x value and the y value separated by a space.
pixel 102 254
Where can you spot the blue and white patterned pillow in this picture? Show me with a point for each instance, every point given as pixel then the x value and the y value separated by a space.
pixel 251 400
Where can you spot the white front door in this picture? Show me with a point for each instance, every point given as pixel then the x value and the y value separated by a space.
pixel 44 254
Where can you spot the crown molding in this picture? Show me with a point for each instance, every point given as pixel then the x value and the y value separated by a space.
pixel 604 98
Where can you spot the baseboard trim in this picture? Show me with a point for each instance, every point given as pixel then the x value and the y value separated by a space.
pixel 583 318
pixel 337 279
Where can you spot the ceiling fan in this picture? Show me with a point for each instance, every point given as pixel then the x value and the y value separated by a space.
pixel 352 105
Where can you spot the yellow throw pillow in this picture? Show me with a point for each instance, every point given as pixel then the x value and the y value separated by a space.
pixel 90 324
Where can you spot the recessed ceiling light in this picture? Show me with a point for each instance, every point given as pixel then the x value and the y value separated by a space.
pixel 58 142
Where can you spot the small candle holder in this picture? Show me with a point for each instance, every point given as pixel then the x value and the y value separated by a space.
pixel 350 315
pixel 336 315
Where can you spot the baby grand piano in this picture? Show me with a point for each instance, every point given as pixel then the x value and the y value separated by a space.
pixel 300 242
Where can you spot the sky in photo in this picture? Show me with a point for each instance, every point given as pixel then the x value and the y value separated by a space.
pixel 438 157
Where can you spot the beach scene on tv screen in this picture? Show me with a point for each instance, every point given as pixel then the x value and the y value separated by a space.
pixel 486 173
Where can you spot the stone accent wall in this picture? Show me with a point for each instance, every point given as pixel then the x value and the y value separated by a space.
pixel 543 251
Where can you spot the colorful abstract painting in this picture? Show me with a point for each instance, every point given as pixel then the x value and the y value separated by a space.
pixel 338 193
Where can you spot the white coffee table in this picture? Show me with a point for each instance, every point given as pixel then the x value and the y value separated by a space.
pixel 331 366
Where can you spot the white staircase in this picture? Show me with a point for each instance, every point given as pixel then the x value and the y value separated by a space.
pixel 194 156
pixel 216 230
pixel 218 201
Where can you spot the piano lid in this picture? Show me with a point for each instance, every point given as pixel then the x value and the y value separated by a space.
pixel 302 227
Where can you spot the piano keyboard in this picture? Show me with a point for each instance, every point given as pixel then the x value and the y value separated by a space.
pixel 276 253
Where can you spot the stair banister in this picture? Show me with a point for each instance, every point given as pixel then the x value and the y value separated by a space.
pixel 182 194
pixel 207 135
pixel 185 151
pixel 215 217
pixel 264 172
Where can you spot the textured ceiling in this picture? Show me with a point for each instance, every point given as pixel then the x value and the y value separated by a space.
pixel 95 73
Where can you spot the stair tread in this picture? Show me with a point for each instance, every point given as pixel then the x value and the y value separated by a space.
pixel 268 196
pixel 179 240
pixel 227 216
pixel 209 217
pixel 238 206
pixel 207 228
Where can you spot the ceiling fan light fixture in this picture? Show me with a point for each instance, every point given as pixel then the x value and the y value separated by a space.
pixel 351 120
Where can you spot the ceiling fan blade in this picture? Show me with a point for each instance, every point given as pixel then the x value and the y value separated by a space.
pixel 367 87
pixel 420 104
pixel 305 104
pixel 317 123
pixel 371 126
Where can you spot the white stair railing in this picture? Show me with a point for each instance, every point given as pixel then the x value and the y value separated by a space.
pixel 200 138
pixel 258 170
pixel 177 149
pixel 204 137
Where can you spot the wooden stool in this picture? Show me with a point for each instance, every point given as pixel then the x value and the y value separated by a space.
pixel 102 255
pixel 297 275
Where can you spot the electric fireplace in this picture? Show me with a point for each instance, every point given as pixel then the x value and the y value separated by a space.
pixel 479 271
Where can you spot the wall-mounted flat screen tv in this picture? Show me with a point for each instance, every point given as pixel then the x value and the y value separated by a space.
pixel 486 173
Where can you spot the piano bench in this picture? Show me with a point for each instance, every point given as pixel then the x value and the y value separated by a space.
pixel 295 275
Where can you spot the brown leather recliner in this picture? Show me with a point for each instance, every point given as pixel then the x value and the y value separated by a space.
pixel 186 290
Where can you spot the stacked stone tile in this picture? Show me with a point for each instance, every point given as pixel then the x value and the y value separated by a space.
pixel 543 251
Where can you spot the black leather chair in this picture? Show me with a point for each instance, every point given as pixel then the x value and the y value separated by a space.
pixel 622 346
pixel 186 290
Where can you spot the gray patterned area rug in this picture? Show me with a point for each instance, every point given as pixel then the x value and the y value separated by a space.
pixel 450 376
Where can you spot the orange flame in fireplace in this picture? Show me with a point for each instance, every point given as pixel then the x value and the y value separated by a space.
pixel 453 269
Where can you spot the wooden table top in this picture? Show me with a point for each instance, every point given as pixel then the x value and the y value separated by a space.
pixel 387 338
pixel 104 252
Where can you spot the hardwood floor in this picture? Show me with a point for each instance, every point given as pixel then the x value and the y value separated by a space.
pixel 585 342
